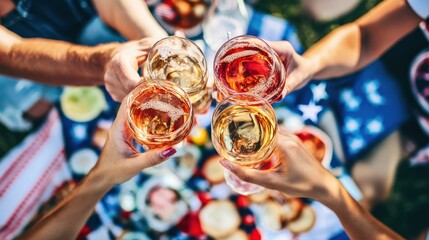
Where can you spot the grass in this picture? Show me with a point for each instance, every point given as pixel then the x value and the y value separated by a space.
pixel 310 31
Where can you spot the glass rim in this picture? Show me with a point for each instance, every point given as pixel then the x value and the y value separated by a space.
pixel 239 102
pixel 199 51
pixel 167 85
pixel 223 88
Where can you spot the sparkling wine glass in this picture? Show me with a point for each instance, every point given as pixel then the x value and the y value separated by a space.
pixel 181 61
pixel 247 64
pixel 159 114
pixel 182 15
pixel 244 131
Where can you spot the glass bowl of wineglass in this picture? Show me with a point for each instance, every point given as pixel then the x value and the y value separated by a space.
pixel 159 114
pixel 247 64
pixel 244 131
pixel 181 61
pixel 182 15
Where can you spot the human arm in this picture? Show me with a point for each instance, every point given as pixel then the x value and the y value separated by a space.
pixel 131 18
pixel 299 174
pixel 351 46
pixel 118 162
pixel 60 63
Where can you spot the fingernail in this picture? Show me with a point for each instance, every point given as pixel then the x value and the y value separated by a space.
pixel 226 164
pixel 168 152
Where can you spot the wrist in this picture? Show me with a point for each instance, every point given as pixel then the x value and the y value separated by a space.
pixel 94 59
pixel 99 180
pixel 314 66
pixel 331 192
pixel 104 53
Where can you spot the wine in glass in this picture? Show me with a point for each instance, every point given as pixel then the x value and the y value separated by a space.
pixel 244 131
pixel 159 114
pixel 247 64
pixel 182 15
pixel 181 61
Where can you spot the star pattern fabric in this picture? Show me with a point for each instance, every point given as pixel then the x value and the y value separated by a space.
pixel 367 105
pixel 310 111
pixel 319 91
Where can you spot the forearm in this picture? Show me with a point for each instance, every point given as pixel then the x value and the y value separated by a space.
pixel 131 18
pixel 56 62
pixel 355 45
pixel 336 54
pixel 66 220
pixel 357 222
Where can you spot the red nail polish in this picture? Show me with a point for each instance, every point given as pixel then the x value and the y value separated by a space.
pixel 168 152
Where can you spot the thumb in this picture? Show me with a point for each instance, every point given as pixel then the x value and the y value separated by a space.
pixel 246 174
pixel 152 157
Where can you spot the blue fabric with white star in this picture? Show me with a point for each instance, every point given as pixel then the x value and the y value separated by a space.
pixel 368 106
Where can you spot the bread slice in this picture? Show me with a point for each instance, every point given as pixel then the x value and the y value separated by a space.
pixel 219 218
pixel 213 170
pixel 291 209
pixel 271 215
pixel 237 235
pixel 304 222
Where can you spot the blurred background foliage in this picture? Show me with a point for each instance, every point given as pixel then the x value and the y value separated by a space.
pixel 310 31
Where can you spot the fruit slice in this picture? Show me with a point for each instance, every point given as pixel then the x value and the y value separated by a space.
pixel 304 222
pixel 82 104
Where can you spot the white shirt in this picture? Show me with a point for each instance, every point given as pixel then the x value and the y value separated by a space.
pixel 420 7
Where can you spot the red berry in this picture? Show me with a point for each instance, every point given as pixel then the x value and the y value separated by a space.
pixel 304 135
pixel 84 232
pixel 242 201
pixel 255 235
pixel 198 172
pixel 248 220
pixel 126 214
pixel 204 197
pixel 190 224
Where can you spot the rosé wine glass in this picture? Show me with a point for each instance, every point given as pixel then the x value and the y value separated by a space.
pixel 159 114
pixel 247 64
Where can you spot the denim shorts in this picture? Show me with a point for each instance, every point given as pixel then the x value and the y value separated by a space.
pixel 52 19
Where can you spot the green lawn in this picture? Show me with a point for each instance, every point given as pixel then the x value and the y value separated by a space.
pixel 310 31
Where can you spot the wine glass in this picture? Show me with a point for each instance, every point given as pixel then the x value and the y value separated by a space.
pixel 182 15
pixel 244 131
pixel 225 19
pixel 247 64
pixel 159 114
pixel 181 61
